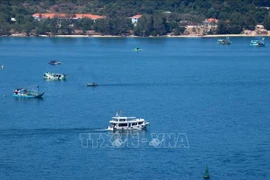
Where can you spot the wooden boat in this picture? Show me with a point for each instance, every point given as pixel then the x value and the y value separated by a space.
pixel 136 49
pixel 225 41
pixel 24 93
pixel 92 84
pixel 54 62
pixel 258 43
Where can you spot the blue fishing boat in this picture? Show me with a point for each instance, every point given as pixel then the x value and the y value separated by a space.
pixel 136 49
pixel 225 41
pixel 258 43
pixel 25 93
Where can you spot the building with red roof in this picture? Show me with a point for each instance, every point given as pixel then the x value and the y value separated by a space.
pixel 40 16
pixel 134 19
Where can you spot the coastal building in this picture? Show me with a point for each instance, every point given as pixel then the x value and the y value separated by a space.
pixel 134 19
pixel 13 19
pixel 40 16
pixel 211 21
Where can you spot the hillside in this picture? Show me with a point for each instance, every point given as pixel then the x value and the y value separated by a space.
pixel 158 17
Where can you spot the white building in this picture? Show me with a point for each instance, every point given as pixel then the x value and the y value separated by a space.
pixel 134 19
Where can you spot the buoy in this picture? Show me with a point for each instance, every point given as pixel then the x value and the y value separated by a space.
pixel 206 173
pixel 3 66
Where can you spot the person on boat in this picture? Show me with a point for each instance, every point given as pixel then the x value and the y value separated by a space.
pixel 136 49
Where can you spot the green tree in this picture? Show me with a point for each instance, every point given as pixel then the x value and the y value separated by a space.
pixel 222 27
pixel 266 22
pixel 144 26
pixel 160 26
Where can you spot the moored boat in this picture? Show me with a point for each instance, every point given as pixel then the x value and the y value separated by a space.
pixel 24 93
pixel 119 122
pixel 54 76
pixel 54 62
pixel 136 49
pixel 258 43
pixel 225 41
pixel 92 84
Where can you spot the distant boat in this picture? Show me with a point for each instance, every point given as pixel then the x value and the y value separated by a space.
pixel 92 84
pixel 136 49
pixel 225 41
pixel 206 173
pixel 54 76
pixel 54 62
pixel 24 93
pixel 258 43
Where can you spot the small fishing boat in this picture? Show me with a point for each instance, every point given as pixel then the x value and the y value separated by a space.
pixel 206 173
pixel 54 62
pixel 258 43
pixel 136 49
pixel 92 84
pixel 225 41
pixel 24 93
pixel 127 123
pixel 54 76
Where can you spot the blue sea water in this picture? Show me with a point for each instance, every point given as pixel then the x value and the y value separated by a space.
pixel 214 97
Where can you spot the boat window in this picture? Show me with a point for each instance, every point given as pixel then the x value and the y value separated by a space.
pixel 122 125
pixel 134 124
pixel 140 122
pixel 122 119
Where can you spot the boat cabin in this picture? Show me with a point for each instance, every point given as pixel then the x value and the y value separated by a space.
pixel 120 122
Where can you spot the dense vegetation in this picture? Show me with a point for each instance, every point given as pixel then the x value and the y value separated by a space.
pixel 159 17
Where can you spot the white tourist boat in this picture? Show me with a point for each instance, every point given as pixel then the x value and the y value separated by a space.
pixel 127 123
pixel 54 76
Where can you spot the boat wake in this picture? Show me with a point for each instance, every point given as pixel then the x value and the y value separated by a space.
pixel 48 131
pixel 141 84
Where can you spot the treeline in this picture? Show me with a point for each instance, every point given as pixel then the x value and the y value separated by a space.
pixel 159 17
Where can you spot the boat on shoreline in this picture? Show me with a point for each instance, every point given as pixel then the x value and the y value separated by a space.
pixel 54 62
pixel 125 123
pixel 24 93
pixel 54 76
pixel 258 43
pixel 225 41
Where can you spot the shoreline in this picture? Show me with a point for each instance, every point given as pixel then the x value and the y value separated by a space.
pixel 132 36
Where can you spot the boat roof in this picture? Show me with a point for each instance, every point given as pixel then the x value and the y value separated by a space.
pixel 123 117
pixel 126 120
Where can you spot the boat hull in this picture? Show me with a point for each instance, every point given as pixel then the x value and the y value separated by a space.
pixel 132 128
pixel 40 95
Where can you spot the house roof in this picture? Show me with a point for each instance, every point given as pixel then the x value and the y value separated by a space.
pixel 209 20
pixel 90 16
pixel 137 16
pixel 63 15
